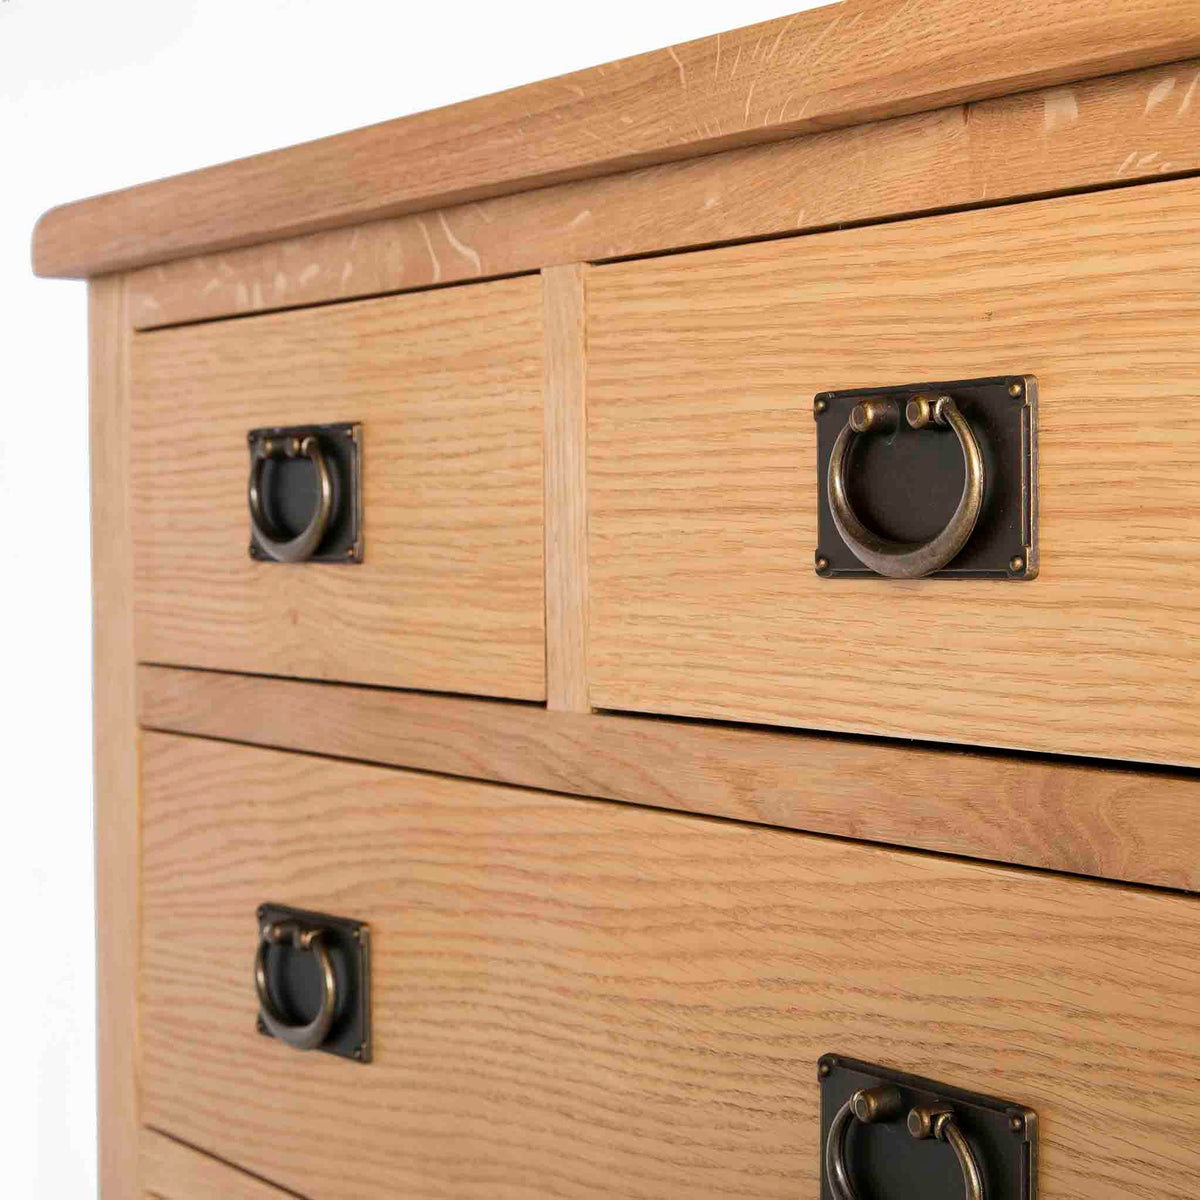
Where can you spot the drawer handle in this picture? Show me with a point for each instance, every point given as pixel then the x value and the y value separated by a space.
pixel 302 1037
pixel 938 1122
pixel 867 1105
pixel 270 540
pixel 906 560
pixel 880 1104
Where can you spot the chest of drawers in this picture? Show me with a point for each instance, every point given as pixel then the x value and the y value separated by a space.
pixel 476 697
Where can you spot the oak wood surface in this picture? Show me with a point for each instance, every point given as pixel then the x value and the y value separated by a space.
pixel 1132 825
pixel 173 1171
pixel 836 66
pixel 565 301
pixel 448 387
pixel 1120 128
pixel 115 741
pixel 572 998
pixel 702 479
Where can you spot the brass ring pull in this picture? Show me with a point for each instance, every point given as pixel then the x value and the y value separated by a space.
pixel 939 1123
pixel 872 1105
pixel 906 560
pixel 868 1105
pixel 301 1037
pixel 270 540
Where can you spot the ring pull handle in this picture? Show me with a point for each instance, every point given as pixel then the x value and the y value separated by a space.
pixel 301 1037
pixel 269 539
pixel 906 560
pixel 938 1122
pixel 868 1106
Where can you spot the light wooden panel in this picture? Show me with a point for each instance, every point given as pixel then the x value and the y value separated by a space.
pixel 566 488
pixel 1119 128
pixel 702 483
pixel 448 387
pixel 173 1171
pixel 1139 826
pixel 568 994
pixel 835 66
pixel 115 734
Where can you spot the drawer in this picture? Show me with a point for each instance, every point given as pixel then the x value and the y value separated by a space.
pixel 703 483
pixel 447 386
pixel 578 998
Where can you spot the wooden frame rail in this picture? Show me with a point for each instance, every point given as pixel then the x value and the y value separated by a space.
pixel 1114 130
pixel 115 734
pixel 1133 825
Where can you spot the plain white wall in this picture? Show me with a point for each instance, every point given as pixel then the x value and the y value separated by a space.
pixel 96 95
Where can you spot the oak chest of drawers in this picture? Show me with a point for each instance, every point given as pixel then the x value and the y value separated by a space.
pixel 647 645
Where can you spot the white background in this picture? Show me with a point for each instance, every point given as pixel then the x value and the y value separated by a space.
pixel 96 95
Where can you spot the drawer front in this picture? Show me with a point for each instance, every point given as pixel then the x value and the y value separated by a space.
pixel 703 481
pixel 576 998
pixel 448 388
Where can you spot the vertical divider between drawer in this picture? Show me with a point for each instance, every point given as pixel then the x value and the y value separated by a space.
pixel 565 455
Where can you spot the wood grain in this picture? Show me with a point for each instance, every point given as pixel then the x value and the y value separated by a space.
pixel 172 1171
pixel 115 741
pixel 568 993
pixel 1138 826
pixel 566 488
pixel 702 485
pixel 1119 128
pixel 448 387
pixel 858 61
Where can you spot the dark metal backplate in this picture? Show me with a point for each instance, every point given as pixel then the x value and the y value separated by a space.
pixel 295 981
pixel 887 1163
pixel 906 485
pixel 290 489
